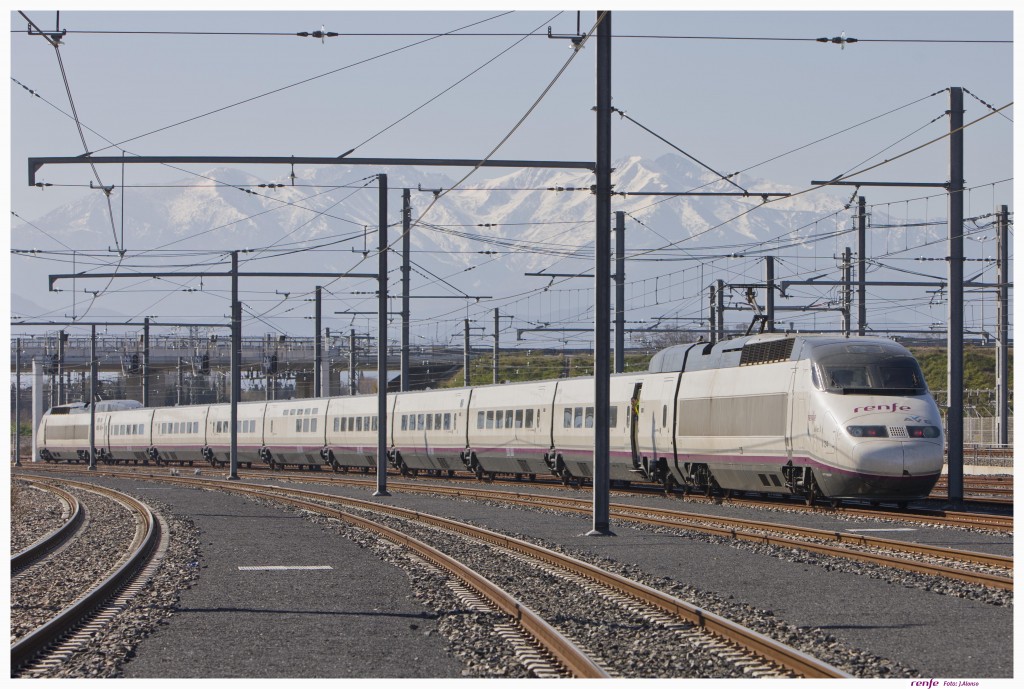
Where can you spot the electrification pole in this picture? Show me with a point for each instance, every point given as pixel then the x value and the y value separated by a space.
pixel 319 344
pixel 406 231
pixel 862 305
pixel 1003 327
pixel 602 277
pixel 92 400
pixel 382 335
pixel 955 337
pixel 620 291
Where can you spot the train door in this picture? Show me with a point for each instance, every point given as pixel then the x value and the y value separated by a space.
pixel 633 422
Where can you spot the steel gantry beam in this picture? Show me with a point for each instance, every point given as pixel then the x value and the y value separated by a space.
pixel 37 163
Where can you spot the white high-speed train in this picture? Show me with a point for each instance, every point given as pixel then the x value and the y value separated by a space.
pixel 811 415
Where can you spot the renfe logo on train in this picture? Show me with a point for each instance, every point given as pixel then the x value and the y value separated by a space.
pixel 883 407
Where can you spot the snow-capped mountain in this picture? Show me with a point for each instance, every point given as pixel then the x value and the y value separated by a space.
pixel 480 237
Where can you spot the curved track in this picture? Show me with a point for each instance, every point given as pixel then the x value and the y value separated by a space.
pixel 47 644
pixel 49 543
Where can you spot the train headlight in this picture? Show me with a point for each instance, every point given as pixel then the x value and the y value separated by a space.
pixel 923 431
pixel 868 431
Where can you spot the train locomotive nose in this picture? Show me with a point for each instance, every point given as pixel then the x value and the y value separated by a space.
pixel 922 458
pixel 878 457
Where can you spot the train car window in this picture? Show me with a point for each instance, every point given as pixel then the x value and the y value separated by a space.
pixel 298 425
pixel 498 416
pixel 420 425
pixel 899 377
pixel 335 424
pixel 589 418
pixel 814 378
pixel 313 424
pixel 479 419
pixel 405 422
pixel 316 410
pixel 567 418
pixel 437 421
pixel 448 421
pixel 366 423
pixel 613 416
pixel 430 422
pixel 359 423
pixel 374 423
pixel 519 418
pixel 490 419
pixel 577 420
pixel 508 419
pixel 174 428
pixel 529 418
pixel 306 425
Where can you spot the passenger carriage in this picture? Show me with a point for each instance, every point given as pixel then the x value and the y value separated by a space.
pixel 249 438
pixel 179 435
pixel 352 432
pixel 294 432
pixel 128 436
pixel 428 431
pixel 510 429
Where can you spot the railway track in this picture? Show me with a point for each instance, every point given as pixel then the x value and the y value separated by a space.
pixel 937 516
pixel 50 643
pixel 53 541
pixel 754 653
pixel 972 567
pixel 760 655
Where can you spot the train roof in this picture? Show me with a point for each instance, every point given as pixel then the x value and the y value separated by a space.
pixel 104 405
pixel 765 348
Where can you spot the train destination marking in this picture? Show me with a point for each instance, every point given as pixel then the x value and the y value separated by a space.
pixel 278 568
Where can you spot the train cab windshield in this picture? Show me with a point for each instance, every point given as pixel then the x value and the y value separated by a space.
pixel 881 372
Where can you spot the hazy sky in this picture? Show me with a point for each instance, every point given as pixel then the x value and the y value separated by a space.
pixel 730 103
pixel 739 90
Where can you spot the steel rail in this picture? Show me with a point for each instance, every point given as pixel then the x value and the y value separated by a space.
pixel 726 525
pixel 26 649
pixel 774 651
pixel 731 531
pixel 922 516
pixel 56 538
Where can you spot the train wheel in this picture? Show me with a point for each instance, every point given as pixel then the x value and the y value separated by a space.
pixel 835 502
